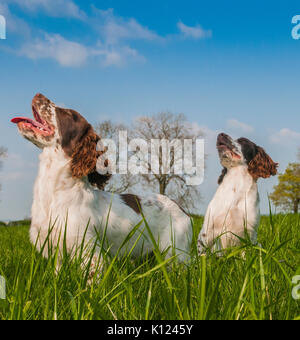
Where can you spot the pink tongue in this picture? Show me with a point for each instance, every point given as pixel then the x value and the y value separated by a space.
pixel 20 119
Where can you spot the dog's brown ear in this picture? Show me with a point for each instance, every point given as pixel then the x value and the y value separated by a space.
pixel 85 154
pixel 84 157
pixel 223 174
pixel 262 165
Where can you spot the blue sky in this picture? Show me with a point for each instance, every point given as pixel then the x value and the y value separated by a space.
pixel 228 66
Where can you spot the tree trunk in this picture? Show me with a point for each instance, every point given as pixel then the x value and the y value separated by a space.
pixel 162 186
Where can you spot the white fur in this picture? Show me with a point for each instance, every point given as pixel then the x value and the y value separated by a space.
pixel 62 200
pixel 76 212
pixel 233 210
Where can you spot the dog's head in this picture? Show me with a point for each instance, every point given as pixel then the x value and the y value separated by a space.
pixel 242 151
pixel 58 127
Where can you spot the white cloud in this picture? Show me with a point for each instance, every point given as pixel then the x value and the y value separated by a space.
pixel 65 52
pixel 115 29
pixel 72 54
pixel 13 23
pixel 285 136
pixel 116 55
pixel 55 8
pixel 112 47
pixel 193 32
pixel 237 125
pixel 115 35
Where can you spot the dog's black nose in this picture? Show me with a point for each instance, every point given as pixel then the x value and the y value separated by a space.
pixel 223 137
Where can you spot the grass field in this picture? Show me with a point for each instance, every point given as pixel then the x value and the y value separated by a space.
pixel 247 283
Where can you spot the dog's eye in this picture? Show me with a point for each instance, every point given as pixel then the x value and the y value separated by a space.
pixel 75 116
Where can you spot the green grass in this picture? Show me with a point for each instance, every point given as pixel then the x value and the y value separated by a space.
pixel 247 283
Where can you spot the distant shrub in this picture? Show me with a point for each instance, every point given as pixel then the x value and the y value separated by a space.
pixel 19 223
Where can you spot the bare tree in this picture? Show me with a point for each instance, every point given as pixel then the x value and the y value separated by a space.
pixel 109 130
pixel 164 126
pixel 170 127
pixel 118 183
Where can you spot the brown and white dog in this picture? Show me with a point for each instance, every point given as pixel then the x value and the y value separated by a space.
pixel 234 210
pixel 69 191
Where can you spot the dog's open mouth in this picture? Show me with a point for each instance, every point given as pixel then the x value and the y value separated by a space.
pixel 223 146
pixel 38 125
pixel 226 148
pixel 227 151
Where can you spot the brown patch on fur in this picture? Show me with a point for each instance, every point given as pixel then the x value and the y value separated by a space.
pixel 98 180
pixel 79 141
pixel 133 201
pixel 223 174
pixel 72 128
pixel 84 157
pixel 262 165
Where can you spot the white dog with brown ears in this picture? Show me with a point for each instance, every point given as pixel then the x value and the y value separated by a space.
pixel 234 212
pixel 68 189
